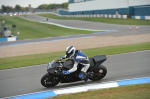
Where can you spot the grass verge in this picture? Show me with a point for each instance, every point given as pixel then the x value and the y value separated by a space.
pixel 33 30
pixel 103 20
pixel 29 60
pixel 128 92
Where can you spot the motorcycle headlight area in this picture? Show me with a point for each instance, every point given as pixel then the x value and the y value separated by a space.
pixel 52 65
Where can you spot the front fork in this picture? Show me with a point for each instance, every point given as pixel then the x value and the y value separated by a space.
pixel 58 69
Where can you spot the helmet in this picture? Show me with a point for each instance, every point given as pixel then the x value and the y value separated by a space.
pixel 70 51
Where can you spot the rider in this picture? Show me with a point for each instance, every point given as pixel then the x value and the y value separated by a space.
pixel 79 58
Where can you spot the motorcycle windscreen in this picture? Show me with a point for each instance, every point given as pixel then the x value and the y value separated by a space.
pixel 52 69
pixel 68 64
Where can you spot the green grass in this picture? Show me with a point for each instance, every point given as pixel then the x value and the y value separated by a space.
pixel 29 60
pixel 33 30
pixel 103 20
pixel 127 92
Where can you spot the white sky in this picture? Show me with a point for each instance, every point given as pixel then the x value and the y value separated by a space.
pixel 25 3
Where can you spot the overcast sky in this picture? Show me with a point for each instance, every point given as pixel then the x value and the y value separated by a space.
pixel 25 3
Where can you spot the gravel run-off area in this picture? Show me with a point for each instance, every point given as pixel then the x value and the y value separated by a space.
pixel 79 43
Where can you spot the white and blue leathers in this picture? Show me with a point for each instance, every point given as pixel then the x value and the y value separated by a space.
pixel 79 58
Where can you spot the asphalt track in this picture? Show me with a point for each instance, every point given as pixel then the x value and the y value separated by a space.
pixel 27 80
pixel 115 30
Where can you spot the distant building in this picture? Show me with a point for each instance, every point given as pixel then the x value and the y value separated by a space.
pixel 109 7
pixel 31 9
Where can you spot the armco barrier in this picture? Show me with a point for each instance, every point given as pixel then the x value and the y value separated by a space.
pixel 84 88
pixel 15 38
pixel 141 17
pixel 95 15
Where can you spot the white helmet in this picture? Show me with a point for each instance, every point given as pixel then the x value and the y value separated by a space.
pixel 70 51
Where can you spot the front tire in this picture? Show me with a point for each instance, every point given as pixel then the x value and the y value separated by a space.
pixel 99 73
pixel 49 80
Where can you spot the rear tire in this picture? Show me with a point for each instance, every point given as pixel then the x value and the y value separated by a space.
pixel 49 80
pixel 99 73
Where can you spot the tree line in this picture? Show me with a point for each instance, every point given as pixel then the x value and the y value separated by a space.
pixel 52 6
pixel 15 9
pixel 18 8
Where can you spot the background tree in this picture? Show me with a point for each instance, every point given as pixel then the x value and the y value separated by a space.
pixel 52 6
pixel 17 8
pixel 65 5
pixel 4 8
pixel 26 9
pixel 9 9
pixel 43 7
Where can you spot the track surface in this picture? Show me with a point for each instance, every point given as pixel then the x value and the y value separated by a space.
pixel 27 80
pixel 121 30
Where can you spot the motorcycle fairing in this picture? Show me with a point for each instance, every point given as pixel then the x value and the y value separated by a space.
pixel 68 64
pixel 96 61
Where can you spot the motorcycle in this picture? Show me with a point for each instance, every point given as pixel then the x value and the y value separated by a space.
pixel 54 75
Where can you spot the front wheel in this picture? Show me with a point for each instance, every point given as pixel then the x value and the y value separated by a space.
pixel 49 80
pixel 99 73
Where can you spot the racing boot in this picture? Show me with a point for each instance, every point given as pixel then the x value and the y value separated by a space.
pixel 83 76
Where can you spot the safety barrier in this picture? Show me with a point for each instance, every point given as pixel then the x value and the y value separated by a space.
pixel 141 17
pixel 96 16
pixel 15 38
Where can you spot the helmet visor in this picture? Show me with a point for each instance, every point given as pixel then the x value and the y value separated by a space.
pixel 69 54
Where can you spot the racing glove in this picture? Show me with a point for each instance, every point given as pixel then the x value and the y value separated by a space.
pixel 61 58
pixel 65 72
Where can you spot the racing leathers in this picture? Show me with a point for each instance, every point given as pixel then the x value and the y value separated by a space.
pixel 79 58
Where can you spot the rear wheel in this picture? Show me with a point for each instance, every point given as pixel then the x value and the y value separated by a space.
pixel 49 80
pixel 99 74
